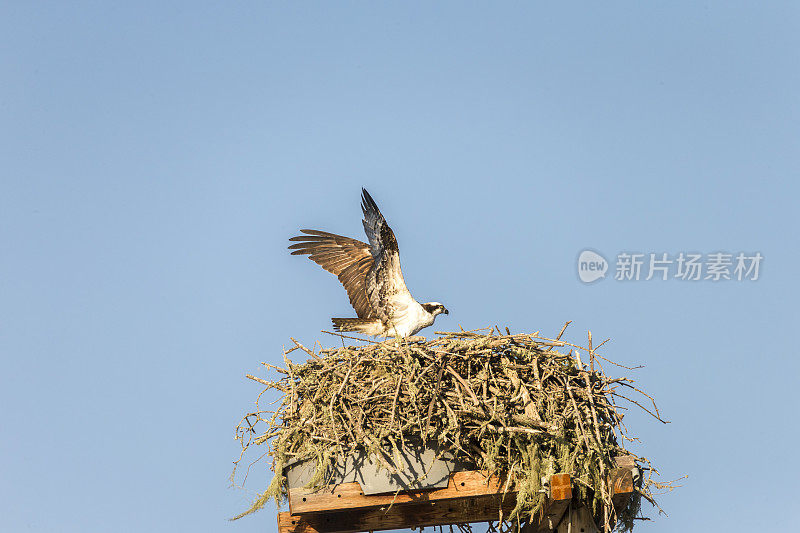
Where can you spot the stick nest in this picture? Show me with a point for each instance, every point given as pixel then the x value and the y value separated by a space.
pixel 512 405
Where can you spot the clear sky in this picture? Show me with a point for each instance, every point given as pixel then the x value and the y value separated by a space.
pixel 156 158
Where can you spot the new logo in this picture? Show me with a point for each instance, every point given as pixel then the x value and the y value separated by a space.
pixel 591 266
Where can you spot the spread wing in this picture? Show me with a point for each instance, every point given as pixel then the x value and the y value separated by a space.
pixel 350 260
pixel 385 286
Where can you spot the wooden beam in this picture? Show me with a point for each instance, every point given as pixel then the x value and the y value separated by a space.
pixel 469 497
pixel 429 513
pixel 349 496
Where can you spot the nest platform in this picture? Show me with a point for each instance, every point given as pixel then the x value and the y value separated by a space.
pixel 520 431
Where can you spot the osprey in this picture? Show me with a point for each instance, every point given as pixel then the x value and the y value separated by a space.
pixel 371 276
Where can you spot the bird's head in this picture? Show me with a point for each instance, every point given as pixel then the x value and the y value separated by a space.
pixel 435 308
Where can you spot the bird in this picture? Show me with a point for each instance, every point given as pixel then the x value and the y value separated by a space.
pixel 371 276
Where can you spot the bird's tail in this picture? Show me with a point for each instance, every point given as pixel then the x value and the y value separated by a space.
pixel 367 326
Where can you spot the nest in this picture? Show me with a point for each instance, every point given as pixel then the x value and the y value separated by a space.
pixel 512 405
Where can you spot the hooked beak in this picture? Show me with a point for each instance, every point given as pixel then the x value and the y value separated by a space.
pixel 446 312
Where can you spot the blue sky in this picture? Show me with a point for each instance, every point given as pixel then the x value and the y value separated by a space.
pixel 155 159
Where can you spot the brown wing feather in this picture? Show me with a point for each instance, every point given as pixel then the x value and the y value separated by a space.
pixel 346 258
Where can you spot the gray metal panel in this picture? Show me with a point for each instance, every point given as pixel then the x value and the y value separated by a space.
pixel 374 478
